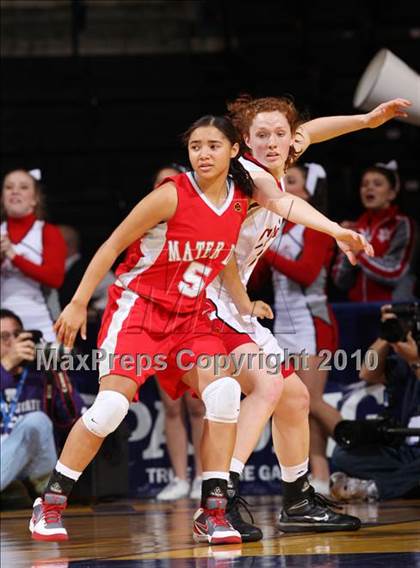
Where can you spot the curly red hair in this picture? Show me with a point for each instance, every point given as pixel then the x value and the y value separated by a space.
pixel 244 109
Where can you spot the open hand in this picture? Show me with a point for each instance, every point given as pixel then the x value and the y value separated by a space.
pixel 352 244
pixel 72 319
pixel 397 108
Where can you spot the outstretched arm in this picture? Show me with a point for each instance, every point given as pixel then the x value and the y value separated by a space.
pixel 159 205
pixel 328 127
pixel 299 211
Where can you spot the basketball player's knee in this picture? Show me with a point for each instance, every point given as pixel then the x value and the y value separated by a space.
pixel 270 390
pixel 106 413
pixel 196 409
pixel 300 400
pixel 222 399
pixel 294 404
pixel 173 409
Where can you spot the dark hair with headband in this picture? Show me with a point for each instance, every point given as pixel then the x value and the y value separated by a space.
pixel 389 171
pixel 315 184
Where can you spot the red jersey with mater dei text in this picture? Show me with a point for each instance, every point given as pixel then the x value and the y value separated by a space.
pixel 176 260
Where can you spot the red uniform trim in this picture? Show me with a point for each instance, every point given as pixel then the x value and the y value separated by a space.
pixel 402 266
pixel 326 334
pixel 317 249
pixel 52 269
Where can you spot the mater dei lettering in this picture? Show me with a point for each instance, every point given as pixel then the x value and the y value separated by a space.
pixel 196 250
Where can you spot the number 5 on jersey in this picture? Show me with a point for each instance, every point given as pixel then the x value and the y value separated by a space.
pixel 192 282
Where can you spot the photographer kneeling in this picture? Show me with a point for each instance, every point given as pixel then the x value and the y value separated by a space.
pixel 28 451
pixel 380 459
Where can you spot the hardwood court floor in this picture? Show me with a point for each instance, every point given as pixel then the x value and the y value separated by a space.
pixel 135 534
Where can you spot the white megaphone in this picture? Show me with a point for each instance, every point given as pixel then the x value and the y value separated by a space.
pixel 387 77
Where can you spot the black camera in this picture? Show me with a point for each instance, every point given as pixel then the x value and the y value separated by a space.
pixel 48 353
pixel 355 433
pixel 386 431
pixel 407 318
pixel 36 336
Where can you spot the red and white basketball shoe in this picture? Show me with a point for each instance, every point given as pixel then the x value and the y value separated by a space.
pixel 46 523
pixel 210 524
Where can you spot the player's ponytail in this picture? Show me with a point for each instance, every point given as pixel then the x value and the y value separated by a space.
pixel 238 173
pixel 241 177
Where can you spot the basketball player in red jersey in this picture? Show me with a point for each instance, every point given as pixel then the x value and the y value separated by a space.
pixel 179 238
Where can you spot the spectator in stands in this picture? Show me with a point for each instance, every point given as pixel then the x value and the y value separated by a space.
pixel 382 469
pixel 386 276
pixel 28 449
pixel 304 322
pixel 75 268
pixel 175 414
pixel 32 254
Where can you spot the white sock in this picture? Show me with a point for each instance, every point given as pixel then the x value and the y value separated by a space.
pixel 237 466
pixel 215 474
pixel 293 472
pixel 64 470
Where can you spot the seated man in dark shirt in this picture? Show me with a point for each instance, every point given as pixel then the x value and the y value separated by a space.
pixel 390 468
pixel 28 449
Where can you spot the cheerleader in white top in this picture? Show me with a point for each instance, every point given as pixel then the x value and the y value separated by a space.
pixel 33 254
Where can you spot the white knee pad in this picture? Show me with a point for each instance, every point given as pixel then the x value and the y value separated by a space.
pixel 222 399
pixel 106 413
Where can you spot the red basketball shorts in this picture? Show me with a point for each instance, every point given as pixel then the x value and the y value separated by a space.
pixel 138 338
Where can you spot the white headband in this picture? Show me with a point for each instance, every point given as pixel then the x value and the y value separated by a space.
pixel 36 174
pixel 315 172
pixel 391 165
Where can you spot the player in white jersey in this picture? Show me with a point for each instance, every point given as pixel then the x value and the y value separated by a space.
pixel 270 128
